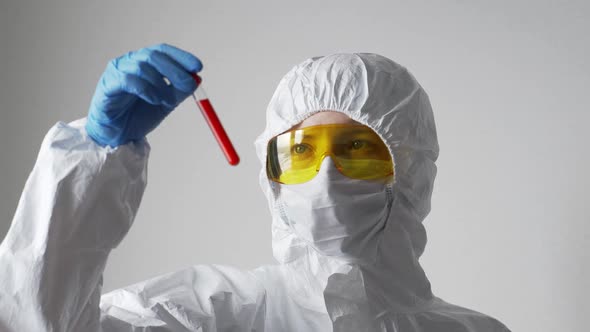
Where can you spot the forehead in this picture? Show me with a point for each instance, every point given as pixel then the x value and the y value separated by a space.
pixel 325 117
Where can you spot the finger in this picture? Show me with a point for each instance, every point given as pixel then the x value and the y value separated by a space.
pixel 190 62
pixel 128 65
pixel 116 83
pixel 181 96
pixel 169 68
pixel 146 91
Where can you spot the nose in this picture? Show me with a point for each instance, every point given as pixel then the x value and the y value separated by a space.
pixel 328 168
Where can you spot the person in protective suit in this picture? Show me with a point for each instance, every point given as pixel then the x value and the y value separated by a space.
pixel 348 165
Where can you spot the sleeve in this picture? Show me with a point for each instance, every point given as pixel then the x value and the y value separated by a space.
pixel 77 205
pixel 202 298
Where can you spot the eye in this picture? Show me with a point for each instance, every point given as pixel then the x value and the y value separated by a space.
pixel 357 144
pixel 300 148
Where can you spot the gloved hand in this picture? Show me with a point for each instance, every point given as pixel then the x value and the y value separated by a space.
pixel 132 97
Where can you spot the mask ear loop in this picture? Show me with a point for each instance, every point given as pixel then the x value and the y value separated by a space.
pixel 275 188
pixel 278 202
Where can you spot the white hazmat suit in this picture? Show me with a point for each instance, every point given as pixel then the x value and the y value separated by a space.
pixel 347 250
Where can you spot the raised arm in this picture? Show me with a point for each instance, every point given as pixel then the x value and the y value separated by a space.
pixel 83 193
pixel 77 205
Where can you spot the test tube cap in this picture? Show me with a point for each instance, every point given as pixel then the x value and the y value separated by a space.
pixel 197 78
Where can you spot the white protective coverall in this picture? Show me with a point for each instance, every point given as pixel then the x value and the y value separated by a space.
pixel 80 201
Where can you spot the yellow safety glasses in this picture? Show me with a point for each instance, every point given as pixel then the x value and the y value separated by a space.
pixel 295 156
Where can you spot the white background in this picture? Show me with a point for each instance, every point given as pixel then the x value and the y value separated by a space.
pixel 508 232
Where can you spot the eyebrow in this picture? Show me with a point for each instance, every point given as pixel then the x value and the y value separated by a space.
pixel 299 135
pixel 358 132
pixel 308 136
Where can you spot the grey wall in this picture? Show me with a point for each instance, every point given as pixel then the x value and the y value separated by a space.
pixel 509 84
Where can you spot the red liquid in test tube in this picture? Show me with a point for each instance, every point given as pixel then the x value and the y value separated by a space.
pixel 214 124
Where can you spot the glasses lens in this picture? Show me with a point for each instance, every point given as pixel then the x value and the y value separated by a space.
pixel 359 153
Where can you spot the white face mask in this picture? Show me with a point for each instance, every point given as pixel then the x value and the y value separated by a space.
pixel 338 216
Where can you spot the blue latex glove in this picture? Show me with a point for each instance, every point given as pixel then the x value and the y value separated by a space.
pixel 132 97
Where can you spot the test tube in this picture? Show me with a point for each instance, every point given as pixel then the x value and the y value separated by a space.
pixel 214 124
